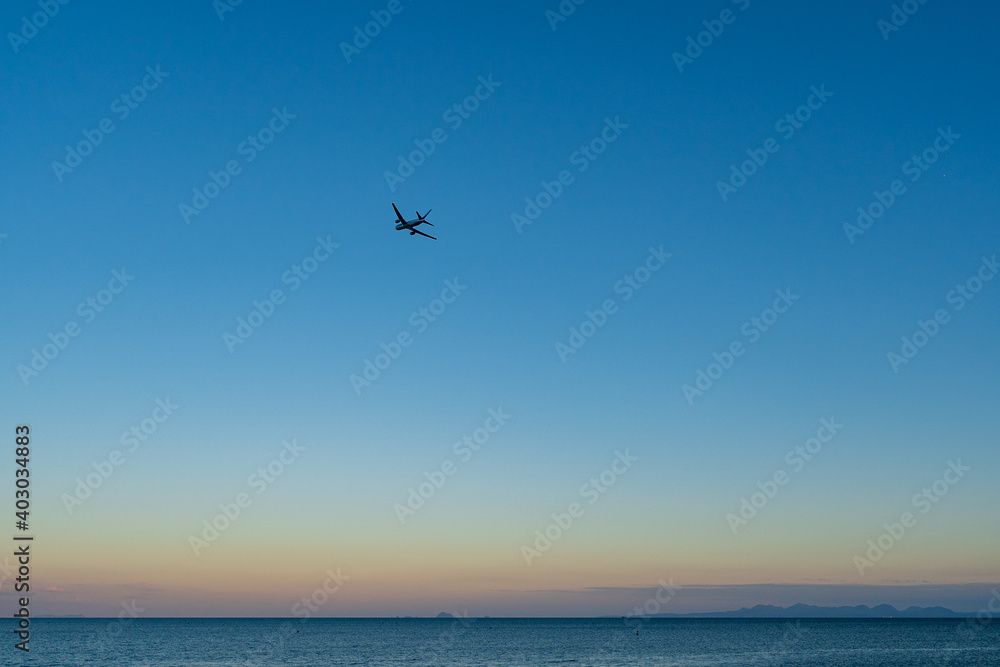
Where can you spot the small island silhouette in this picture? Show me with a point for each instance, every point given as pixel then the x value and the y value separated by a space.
pixel 813 611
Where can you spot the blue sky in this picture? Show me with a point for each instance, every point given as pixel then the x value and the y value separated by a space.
pixel 323 176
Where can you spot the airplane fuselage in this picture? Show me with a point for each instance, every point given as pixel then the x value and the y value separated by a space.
pixel 402 224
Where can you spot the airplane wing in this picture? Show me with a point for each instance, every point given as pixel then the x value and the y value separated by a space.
pixel 422 234
pixel 398 214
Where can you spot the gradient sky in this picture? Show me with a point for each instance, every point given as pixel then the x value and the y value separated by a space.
pixel 495 346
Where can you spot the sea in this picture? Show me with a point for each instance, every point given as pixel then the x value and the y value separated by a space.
pixel 503 642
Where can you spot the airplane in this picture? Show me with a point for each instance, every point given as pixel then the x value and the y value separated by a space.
pixel 410 225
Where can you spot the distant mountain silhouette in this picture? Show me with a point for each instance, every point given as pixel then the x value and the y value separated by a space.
pixel 813 611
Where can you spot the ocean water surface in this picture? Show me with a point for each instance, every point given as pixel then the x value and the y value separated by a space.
pixel 505 642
